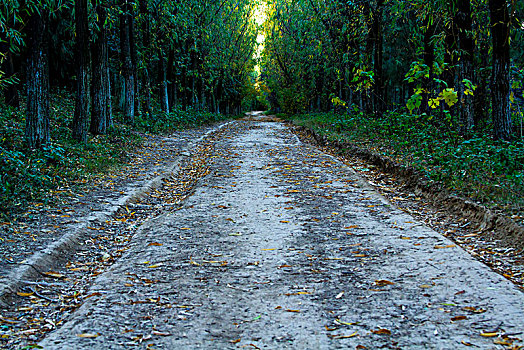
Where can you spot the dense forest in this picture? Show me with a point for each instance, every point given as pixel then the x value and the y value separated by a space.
pixel 79 77
pixel 450 60
pixel 446 70
pixel 133 56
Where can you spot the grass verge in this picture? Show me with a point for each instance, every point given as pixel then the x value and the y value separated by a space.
pixel 31 176
pixel 487 171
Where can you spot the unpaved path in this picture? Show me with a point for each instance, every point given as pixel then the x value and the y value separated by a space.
pixel 282 246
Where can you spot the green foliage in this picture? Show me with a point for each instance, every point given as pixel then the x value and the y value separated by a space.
pixel 176 120
pixel 31 175
pixel 483 169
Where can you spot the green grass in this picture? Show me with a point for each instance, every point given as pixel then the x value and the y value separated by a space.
pixel 28 176
pixel 489 171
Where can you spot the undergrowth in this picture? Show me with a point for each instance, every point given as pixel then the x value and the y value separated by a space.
pixel 491 172
pixel 176 120
pixel 29 176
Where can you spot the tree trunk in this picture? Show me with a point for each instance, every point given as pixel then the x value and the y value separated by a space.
pixel 109 105
pixel 429 60
pixel 451 49
pixel 127 63
pixel 378 60
pixel 162 75
pixel 100 83
pixel 82 55
pixel 146 39
pixel 170 78
pixel 37 116
pixel 134 58
pixel 464 26
pixel 500 90
pixel 481 107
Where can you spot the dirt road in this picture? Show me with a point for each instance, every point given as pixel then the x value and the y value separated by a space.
pixel 283 247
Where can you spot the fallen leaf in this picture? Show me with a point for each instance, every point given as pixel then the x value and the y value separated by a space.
pixel 444 246
pixel 489 334
pixel 383 282
pixel 289 310
pixel 163 334
pixel 474 309
pixel 297 293
pixel 155 265
pixel 425 286
pixel 95 294
pixel 155 244
pixel 88 335
pixel 235 341
pixel 269 249
pixel 346 323
pixel 340 336
pixel 466 343
pixel 382 331
pixel 53 274
pixel 458 318
pixel 24 294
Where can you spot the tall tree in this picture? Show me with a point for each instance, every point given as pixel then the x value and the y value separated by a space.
pixel 146 42
pixel 464 25
pixel 500 88
pixel 128 72
pixel 37 115
pixel 101 94
pixel 378 59
pixel 83 64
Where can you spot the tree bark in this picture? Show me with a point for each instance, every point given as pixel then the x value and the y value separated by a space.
pixel 481 96
pixel 146 39
pixel 429 60
pixel 100 83
pixel 82 55
pixel 37 115
pixel 162 74
pixel 127 62
pixel 500 88
pixel 109 105
pixel 134 57
pixel 464 26
pixel 378 60
pixel 170 77
pixel 451 49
